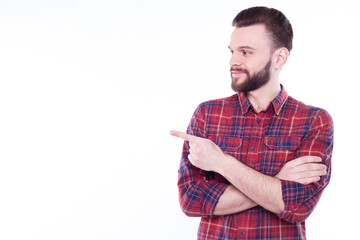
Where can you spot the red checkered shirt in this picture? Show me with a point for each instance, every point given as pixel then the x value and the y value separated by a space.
pixel 265 141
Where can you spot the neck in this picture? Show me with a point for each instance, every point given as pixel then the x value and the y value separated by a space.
pixel 261 98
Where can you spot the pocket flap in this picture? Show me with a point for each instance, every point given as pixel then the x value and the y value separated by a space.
pixel 227 143
pixel 282 143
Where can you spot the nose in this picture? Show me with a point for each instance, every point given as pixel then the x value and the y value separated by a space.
pixel 235 60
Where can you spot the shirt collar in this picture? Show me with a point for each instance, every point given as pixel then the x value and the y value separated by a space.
pixel 277 103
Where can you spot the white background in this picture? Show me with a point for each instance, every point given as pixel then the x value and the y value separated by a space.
pixel 89 90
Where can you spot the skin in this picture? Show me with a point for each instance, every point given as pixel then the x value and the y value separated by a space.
pixel 251 50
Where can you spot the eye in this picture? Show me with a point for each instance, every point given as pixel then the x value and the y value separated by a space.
pixel 245 53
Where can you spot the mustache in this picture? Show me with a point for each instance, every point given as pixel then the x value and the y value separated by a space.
pixel 238 69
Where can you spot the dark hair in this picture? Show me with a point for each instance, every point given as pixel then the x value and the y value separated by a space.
pixel 275 22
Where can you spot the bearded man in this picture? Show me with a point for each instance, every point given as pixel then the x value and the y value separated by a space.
pixel 255 164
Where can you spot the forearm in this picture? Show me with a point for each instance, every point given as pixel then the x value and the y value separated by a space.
pixel 260 188
pixel 233 201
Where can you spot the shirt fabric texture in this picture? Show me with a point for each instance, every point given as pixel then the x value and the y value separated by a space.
pixel 264 141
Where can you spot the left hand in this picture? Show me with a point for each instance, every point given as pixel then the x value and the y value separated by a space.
pixel 204 153
pixel 304 170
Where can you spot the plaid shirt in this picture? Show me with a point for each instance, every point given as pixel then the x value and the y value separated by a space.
pixel 265 141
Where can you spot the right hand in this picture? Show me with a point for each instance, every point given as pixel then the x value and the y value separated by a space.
pixel 303 170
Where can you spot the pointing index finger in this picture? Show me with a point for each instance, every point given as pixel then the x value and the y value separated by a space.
pixel 185 136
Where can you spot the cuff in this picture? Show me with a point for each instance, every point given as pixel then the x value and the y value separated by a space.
pixel 293 195
pixel 210 197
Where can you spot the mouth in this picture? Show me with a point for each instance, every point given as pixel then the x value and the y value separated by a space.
pixel 237 73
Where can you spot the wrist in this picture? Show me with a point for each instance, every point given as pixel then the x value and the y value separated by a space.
pixel 227 162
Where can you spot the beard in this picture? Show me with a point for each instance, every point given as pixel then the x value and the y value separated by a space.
pixel 251 82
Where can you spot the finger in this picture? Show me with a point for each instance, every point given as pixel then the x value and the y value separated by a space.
pixel 314 159
pixel 308 159
pixel 182 135
pixel 306 181
pixel 311 167
pixel 190 157
pixel 309 174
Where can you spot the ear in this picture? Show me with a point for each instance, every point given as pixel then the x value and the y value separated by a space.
pixel 280 57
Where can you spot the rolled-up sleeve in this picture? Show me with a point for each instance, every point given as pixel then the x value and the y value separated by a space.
pixel 198 194
pixel 300 200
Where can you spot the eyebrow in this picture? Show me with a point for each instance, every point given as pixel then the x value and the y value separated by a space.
pixel 243 47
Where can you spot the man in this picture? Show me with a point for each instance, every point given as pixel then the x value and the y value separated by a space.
pixel 254 164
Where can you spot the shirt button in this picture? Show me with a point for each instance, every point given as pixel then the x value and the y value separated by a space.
pixel 253 148
pixel 242 233
pixel 258 121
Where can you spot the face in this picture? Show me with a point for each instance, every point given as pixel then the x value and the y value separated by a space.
pixel 251 58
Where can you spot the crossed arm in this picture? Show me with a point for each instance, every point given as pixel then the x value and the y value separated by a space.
pixel 249 187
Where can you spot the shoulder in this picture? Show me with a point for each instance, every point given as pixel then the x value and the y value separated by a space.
pixel 226 106
pixel 302 110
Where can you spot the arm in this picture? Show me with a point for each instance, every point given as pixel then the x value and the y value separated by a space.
pixel 252 187
pixel 293 201
pixel 198 194
pixel 303 170
pixel 233 201
pixel 262 189
pixel 300 200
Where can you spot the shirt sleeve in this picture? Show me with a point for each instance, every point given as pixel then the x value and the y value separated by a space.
pixel 300 200
pixel 198 194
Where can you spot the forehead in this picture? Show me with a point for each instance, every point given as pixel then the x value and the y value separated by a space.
pixel 254 36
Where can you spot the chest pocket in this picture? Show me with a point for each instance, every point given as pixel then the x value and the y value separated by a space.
pixel 230 145
pixel 278 150
pixel 282 143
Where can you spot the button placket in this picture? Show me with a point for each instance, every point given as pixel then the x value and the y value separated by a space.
pixel 255 141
